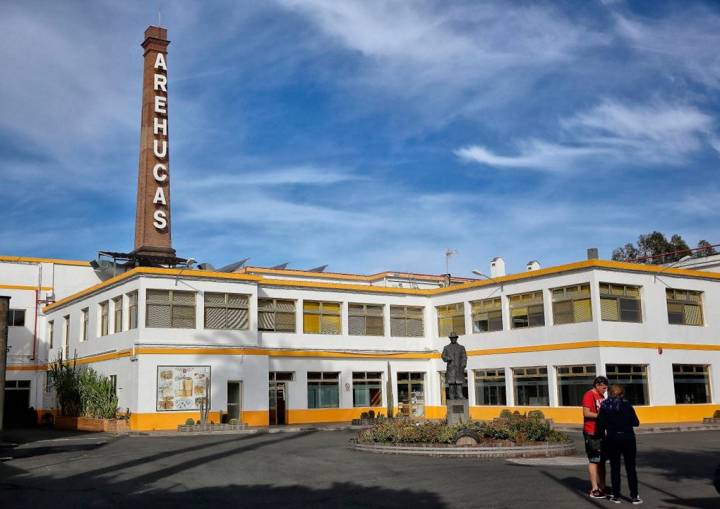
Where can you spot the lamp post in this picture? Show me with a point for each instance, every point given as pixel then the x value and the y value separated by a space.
pixel 4 311
pixel 478 273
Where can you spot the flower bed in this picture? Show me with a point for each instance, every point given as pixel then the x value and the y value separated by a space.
pixel 511 435
pixel 509 430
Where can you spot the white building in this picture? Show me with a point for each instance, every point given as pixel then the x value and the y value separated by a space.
pixel 288 346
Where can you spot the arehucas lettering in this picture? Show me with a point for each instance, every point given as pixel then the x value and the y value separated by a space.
pixel 160 146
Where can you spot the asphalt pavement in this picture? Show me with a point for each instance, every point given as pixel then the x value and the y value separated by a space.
pixel 318 469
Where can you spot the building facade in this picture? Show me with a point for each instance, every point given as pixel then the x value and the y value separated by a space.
pixel 271 346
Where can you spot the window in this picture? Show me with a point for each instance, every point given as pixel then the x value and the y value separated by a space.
pixel 527 310
pixel 366 319
pixel 406 322
pixel 132 310
pixel 572 304
pixel 684 307
pixel 118 314
pixel 323 389
pixel 84 320
pixel 633 377
pixel 573 383
pixel 16 317
pixel 276 315
pixel 66 335
pixel 531 386
pixel 226 311
pixel 367 389
pixel 451 318
pixel 487 315
pixel 113 383
pixel 170 309
pixel 321 317
pixel 620 303
pixel 51 333
pixel 692 383
pixel 104 318
pixel 281 376
pixel 490 386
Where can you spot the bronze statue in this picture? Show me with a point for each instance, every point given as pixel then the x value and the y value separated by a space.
pixel 456 358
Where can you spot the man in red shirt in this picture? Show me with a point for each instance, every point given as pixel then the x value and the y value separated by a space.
pixel 593 444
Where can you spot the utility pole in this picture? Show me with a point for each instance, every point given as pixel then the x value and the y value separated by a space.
pixel 4 312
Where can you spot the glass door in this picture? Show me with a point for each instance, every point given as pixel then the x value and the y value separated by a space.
pixel 234 400
pixel 411 394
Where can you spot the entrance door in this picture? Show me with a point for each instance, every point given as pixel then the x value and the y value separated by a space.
pixel 278 391
pixel 234 400
pixel 411 394
pixel 17 402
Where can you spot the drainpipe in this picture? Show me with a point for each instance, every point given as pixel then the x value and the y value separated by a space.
pixel 4 307
pixel 35 328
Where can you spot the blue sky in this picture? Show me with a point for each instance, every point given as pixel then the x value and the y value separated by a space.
pixel 369 135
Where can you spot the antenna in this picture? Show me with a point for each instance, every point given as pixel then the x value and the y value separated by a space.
pixel 159 18
pixel 448 253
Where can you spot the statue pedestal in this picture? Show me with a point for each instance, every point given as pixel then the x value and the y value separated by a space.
pixel 457 411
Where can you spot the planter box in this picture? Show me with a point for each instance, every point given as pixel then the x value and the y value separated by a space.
pixel 211 427
pixel 90 424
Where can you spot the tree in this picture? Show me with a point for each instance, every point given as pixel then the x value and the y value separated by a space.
pixel 654 247
pixel 704 249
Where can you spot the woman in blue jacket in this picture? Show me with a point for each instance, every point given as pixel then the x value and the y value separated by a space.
pixel 615 422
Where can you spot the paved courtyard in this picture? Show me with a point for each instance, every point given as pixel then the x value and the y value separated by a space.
pixel 317 469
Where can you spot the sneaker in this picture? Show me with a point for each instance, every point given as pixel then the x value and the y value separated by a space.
pixel 636 500
pixel 597 494
pixel 614 499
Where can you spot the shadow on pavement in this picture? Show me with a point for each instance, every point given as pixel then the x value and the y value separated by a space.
pixel 700 503
pixel 577 486
pixel 680 465
pixel 121 485
pixel 345 495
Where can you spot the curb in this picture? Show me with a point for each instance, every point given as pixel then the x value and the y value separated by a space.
pixel 652 429
pixel 522 451
pixel 251 431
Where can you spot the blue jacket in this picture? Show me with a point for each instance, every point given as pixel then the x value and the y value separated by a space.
pixel 617 418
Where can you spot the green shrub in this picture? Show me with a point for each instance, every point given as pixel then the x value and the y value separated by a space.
pixel 505 413
pixel 536 414
pixel 97 395
pixel 716 414
pixel 516 428
pixel 82 391
pixel 189 422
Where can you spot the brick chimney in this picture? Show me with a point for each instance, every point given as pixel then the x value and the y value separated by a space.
pixel 152 217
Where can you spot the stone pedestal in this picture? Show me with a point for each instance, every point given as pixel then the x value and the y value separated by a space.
pixel 457 411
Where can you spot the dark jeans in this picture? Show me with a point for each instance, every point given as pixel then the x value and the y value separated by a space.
pixel 620 445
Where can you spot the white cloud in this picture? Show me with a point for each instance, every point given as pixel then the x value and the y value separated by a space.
pixel 448 59
pixel 610 134
pixel 246 175
pixel 685 40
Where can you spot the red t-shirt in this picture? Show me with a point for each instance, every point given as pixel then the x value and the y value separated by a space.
pixel 592 401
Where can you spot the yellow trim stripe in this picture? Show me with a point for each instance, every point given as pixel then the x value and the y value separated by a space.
pixel 201 274
pixel 57 261
pixel 573 415
pixel 152 271
pixel 574 345
pixel 334 354
pixel 26 288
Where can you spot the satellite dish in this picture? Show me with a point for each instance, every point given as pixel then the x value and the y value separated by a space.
pixel 233 266
pixel 282 266
pixel 321 268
